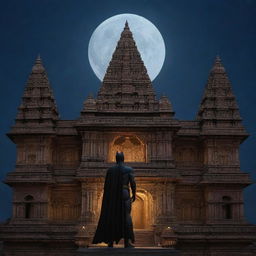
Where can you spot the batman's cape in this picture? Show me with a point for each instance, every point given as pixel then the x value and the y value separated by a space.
pixel 111 223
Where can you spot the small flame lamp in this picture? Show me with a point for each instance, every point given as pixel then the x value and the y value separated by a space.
pixel 82 238
pixel 168 238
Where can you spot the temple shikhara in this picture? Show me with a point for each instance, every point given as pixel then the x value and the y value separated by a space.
pixel 189 182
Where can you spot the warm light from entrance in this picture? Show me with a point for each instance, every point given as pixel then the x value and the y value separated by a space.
pixel 134 150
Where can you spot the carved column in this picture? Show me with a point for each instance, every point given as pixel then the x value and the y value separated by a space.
pixel 89 202
pixel 165 203
pixel 170 190
pixel 168 146
pixel 93 146
pixel 160 146
pixel 153 145
pixel 86 146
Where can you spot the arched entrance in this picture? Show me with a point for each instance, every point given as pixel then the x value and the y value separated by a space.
pixel 133 148
pixel 138 213
pixel 142 210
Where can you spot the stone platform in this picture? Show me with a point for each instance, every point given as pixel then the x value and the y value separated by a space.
pixel 147 251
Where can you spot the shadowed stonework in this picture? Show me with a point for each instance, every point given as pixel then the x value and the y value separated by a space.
pixel 189 182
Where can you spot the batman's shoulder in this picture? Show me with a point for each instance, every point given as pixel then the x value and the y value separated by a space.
pixel 124 168
pixel 128 169
pixel 112 169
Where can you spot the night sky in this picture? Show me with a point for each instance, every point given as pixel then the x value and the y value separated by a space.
pixel 194 33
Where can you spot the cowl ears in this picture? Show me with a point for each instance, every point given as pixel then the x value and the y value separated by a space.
pixel 119 157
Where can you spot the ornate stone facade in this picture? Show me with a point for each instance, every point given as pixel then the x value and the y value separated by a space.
pixel 188 173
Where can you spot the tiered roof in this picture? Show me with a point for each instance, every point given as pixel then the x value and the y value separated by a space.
pixel 126 86
pixel 38 103
pixel 218 108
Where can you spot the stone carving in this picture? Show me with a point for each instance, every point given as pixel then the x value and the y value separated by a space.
pixel 38 101
pixel 218 103
pixel 134 90
pixel 185 155
pixel 65 203
pixel 225 156
pixel 189 210
pixel 131 146
pixel 189 205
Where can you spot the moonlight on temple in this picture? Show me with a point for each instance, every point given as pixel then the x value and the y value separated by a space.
pixel 173 98
pixel 148 40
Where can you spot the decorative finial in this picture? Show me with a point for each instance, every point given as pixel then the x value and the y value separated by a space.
pixel 218 67
pixel 90 96
pixel 126 24
pixel 217 59
pixel 38 66
pixel 38 59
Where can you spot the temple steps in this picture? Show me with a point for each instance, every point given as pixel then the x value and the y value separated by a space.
pixel 146 251
pixel 144 238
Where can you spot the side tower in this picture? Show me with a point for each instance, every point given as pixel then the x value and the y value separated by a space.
pixel 45 202
pixel 209 200
pixel 33 135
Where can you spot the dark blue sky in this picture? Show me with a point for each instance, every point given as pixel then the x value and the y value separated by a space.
pixel 194 33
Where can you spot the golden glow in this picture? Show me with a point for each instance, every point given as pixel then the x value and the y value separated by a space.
pixel 138 214
pixel 142 210
pixel 134 150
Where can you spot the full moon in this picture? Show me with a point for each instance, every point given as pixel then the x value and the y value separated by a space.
pixel 148 39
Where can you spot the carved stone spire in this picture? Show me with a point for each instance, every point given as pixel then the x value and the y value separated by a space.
pixel 126 85
pixel 38 107
pixel 90 104
pixel 218 107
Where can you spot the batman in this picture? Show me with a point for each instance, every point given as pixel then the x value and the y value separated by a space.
pixel 115 220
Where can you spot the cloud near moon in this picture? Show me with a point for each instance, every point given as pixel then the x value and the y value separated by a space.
pixel 148 39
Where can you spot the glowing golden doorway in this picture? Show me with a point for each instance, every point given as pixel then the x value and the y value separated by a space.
pixel 132 147
pixel 142 210
pixel 138 214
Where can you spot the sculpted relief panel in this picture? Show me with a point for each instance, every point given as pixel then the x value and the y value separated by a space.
pixel 30 154
pixel 225 156
pixel 189 205
pixel 221 153
pixel 213 153
pixel 132 147
pixel 33 150
pixel 67 156
pixel 67 152
pixel 187 155
pixel 65 203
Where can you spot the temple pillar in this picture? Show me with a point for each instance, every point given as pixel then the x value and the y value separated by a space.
pixel 90 205
pixel 160 147
pixel 170 190
pixel 93 146
pixel 165 203
pixel 164 196
pixel 89 200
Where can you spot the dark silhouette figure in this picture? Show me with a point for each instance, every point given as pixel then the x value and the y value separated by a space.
pixel 115 220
